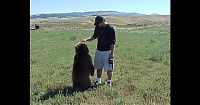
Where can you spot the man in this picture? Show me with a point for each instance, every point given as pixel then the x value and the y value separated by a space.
pixel 105 34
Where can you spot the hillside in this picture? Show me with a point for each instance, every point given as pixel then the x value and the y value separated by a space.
pixel 86 22
pixel 81 14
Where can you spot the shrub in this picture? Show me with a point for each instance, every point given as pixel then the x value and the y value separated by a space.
pixel 73 38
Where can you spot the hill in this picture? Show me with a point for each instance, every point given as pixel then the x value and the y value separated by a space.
pixel 86 22
pixel 81 14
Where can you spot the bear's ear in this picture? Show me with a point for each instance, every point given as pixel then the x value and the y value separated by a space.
pixel 76 49
pixel 85 49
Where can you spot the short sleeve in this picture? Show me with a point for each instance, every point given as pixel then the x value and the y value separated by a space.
pixel 95 33
pixel 112 33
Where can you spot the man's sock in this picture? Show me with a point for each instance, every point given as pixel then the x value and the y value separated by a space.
pixel 99 80
pixel 109 81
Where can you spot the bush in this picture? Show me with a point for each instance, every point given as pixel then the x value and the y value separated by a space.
pixel 73 38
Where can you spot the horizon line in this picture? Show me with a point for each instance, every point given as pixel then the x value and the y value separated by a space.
pixel 96 11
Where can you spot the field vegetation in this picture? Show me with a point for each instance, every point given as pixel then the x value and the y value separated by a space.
pixel 142 62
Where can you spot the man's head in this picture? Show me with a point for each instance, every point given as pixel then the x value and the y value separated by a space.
pixel 99 20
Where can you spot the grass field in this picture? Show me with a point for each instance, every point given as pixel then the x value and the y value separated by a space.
pixel 141 76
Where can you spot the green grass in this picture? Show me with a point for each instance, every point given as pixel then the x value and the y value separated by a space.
pixel 141 76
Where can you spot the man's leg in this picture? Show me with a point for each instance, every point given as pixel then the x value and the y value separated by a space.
pixel 109 74
pixel 99 73
pixel 98 65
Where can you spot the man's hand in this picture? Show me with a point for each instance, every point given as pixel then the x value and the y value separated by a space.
pixel 88 39
pixel 111 55
pixel 111 52
pixel 84 40
pixel 79 43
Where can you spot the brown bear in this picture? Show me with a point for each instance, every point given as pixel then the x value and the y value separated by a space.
pixel 82 67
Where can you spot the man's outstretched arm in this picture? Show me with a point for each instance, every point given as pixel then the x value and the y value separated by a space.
pixel 88 39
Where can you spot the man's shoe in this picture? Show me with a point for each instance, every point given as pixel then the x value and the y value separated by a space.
pixel 109 83
pixel 97 83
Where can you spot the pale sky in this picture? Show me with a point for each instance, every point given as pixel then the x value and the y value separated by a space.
pixel 65 6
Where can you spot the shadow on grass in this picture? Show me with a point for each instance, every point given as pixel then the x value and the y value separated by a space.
pixel 53 92
pixel 66 91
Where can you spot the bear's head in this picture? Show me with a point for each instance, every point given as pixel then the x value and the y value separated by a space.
pixel 81 48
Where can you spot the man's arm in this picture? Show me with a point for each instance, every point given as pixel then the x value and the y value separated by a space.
pixel 113 40
pixel 88 39
pixel 112 48
pixel 94 36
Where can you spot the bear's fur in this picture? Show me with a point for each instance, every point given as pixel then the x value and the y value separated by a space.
pixel 82 68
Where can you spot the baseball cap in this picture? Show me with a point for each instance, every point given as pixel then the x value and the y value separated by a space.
pixel 98 20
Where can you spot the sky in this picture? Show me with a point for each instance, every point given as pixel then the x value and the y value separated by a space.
pixel 65 6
